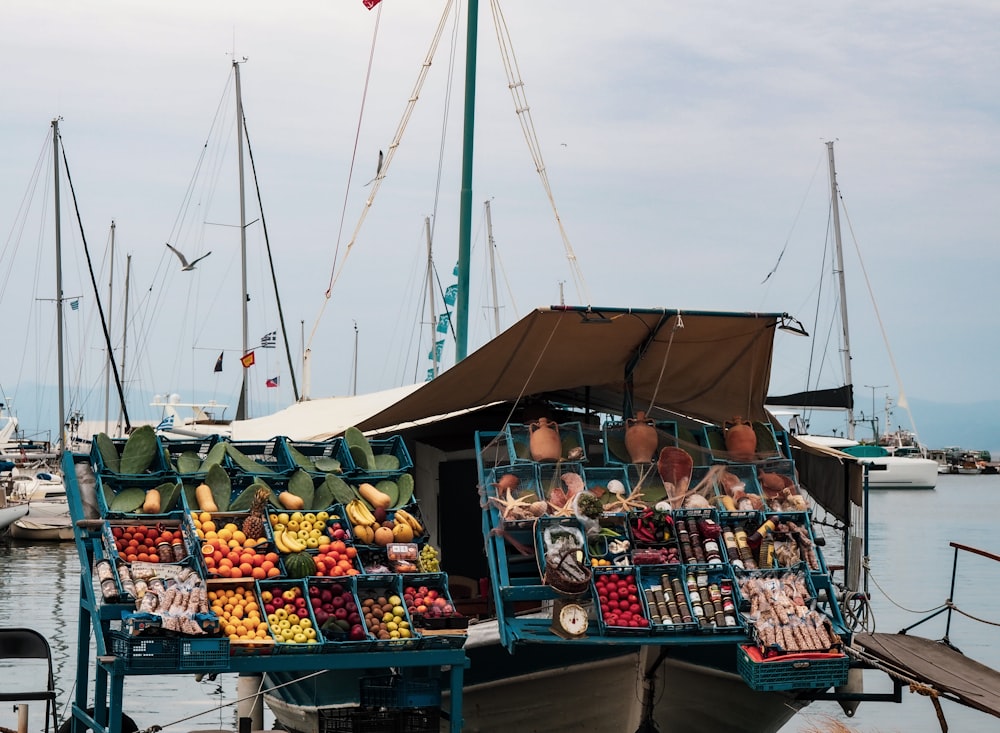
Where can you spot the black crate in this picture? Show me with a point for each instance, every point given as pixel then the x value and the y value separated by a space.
pixel 390 691
pixel 358 720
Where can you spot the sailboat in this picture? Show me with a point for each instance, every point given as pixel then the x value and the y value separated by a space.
pixel 888 468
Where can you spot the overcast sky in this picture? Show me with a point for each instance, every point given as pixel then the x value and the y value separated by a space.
pixel 684 145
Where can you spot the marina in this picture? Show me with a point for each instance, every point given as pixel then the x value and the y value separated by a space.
pixel 40 581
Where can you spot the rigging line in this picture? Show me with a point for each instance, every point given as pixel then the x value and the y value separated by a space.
pixel 270 261
pixel 354 150
pixel 93 283
pixel 377 184
pixel 897 605
pixel 449 88
pixel 534 368
pixel 795 221
pixel 970 616
pixel 678 325
pixel 878 315
pixel 523 111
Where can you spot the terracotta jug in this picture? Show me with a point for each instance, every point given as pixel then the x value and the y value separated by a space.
pixel 641 439
pixel 544 443
pixel 741 440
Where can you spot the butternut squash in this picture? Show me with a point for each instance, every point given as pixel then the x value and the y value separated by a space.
pixel 152 503
pixel 206 502
pixel 378 499
pixel 291 501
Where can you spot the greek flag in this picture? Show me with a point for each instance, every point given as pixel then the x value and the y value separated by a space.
pixel 75 304
pixel 430 374
pixel 166 423
pixel 451 294
pixel 435 353
pixel 268 340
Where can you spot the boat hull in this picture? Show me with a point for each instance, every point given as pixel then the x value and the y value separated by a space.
pixel 605 694
pixel 893 472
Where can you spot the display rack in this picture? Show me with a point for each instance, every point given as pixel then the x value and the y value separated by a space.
pixel 117 655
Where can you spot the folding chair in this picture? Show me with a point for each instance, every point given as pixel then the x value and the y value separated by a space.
pixel 29 644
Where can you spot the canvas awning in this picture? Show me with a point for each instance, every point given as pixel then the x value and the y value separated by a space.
pixel 710 366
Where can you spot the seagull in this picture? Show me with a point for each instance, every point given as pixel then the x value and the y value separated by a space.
pixel 185 265
pixel 378 168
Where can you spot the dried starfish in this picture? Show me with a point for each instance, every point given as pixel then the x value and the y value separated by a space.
pixel 626 504
pixel 510 504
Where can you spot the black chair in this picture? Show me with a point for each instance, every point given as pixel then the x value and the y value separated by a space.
pixel 29 644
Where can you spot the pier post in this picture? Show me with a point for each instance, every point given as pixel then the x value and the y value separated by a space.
pixel 251 702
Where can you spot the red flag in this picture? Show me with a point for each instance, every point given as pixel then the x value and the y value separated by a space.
pixel 371 3
pixel 272 382
pixel 247 360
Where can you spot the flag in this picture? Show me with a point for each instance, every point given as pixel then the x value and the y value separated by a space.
pixel 451 294
pixel 430 374
pixel 268 340
pixel 247 360
pixel 166 423
pixel 272 382
pixel 443 321
pixel 75 304
pixel 436 352
pixel 371 3
pixel 218 363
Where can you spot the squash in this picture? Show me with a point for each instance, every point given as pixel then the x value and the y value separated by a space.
pixel 206 502
pixel 152 503
pixel 377 499
pixel 291 501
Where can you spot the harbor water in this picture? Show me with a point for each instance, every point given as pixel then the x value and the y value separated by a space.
pixel 911 567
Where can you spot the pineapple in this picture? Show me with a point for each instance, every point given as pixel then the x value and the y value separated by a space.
pixel 253 526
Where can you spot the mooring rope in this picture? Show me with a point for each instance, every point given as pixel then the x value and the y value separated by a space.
pixel 921 688
pixel 897 605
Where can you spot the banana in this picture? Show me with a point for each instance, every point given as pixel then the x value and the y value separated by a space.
pixel 358 513
pixel 279 541
pixel 293 543
pixel 411 520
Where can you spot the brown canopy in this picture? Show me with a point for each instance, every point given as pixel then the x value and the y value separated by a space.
pixel 702 365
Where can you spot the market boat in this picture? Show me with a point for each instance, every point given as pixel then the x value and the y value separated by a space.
pixel 582 368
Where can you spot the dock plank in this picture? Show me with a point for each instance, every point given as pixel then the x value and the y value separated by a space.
pixel 933 662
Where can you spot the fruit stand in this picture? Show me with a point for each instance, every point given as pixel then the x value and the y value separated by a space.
pixel 634 544
pixel 211 557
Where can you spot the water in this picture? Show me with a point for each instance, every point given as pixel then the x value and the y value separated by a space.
pixel 911 567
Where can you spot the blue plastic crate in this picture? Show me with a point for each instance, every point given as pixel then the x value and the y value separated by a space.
pixel 145 653
pixel 313 452
pixel 704 586
pixel 797 527
pixel 109 485
pixel 728 481
pixel 392 449
pixel 203 654
pixel 395 691
pixel 552 476
pixel 279 585
pixel 611 629
pixel 714 438
pixel 175 448
pixel 780 485
pixel 664 595
pixel 376 586
pixel 570 436
pixel 157 465
pixel 270 456
pixel 811 671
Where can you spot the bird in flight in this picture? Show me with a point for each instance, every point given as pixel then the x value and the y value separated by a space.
pixel 185 265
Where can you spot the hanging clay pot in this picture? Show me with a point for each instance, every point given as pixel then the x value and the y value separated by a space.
pixel 544 443
pixel 741 440
pixel 641 439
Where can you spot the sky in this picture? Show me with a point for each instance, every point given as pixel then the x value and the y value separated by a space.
pixel 683 145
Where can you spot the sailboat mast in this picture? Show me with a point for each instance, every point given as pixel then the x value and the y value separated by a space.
pixel 128 274
pixel 493 270
pixel 241 408
pixel 846 335
pixel 59 286
pixel 430 297
pixel 465 203
pixel 111 301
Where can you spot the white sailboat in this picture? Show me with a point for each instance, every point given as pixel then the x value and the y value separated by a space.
pixel 888 469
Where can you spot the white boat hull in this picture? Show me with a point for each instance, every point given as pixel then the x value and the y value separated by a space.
pixel 902 473
pixel 10 514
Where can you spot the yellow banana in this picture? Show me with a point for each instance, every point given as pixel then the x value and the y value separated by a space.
pixel 358 513
pixel 411 520
pixel 279 541
pixel 293 543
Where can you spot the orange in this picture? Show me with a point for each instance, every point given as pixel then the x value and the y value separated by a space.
pixel 259 573
pixel 207 549
pixel 225 571
pixel 245 569
pixel 273 572
pixel 235 572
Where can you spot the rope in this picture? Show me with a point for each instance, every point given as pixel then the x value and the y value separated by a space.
pixel 955 608
pixel 897 605
pixel 678 325
pixel 914 685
